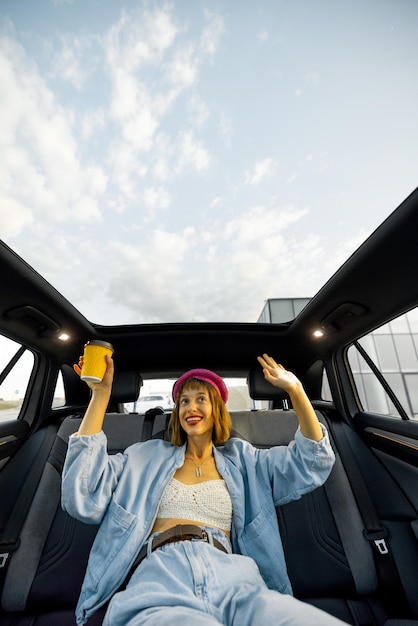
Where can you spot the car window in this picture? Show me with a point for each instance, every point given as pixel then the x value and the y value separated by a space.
pixel 16 364
pixel 390 352
pixel 325 388
pixel 59 394
pixel 239 399
pixel 150 398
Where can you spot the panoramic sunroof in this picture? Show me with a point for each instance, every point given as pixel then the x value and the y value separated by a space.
pixel 184 162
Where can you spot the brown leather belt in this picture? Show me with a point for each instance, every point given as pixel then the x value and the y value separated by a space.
pixel 181 532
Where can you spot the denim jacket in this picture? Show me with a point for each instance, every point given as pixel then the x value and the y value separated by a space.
pixel 122 492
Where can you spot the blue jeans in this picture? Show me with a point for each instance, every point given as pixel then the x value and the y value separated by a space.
pixel 192 582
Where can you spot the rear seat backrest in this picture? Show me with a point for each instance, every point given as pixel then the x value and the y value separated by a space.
pixel 308 527
pixel 327 556
pixel 265 428
pixel 48 568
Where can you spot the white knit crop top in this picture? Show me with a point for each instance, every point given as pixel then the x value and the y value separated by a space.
pixel 207 503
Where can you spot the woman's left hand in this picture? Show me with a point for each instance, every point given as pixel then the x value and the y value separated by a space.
pixel 276 374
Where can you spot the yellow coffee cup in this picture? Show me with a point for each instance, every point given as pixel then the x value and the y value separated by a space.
pixel 94 364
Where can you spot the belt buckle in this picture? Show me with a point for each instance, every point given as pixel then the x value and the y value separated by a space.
pixel 205 536
pixel 150 545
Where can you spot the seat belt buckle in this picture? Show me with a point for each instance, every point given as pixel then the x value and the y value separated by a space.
pixel 378 539
pixel 381 546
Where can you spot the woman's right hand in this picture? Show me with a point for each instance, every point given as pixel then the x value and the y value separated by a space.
pixel 106 384
pixel 79 366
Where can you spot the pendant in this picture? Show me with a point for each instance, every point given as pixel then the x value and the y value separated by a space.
pixel 198 472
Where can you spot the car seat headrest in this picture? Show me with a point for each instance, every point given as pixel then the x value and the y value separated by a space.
pixel 260 389
pixel 126 386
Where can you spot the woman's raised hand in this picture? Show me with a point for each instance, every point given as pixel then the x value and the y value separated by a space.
pixel 78 366
pixel 276 374
pixel 107 381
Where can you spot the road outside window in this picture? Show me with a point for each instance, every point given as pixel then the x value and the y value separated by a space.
pixel 16 364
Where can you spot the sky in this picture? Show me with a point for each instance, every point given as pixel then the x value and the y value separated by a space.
pixel 185 161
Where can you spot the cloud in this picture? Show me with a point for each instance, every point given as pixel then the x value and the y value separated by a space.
pixel 14 216
pixel 73 61
pixel 146 279
pixel 152 62
pixel 155 200
pixel 262 36
pixel 140 38
pixel 220 274
pixel 191 154
pixel 345 249
pixel 136 42
pixel 221 271
pixel 173 157
pixel 93 122
pixel 313 78
pixel 212 33
pixel 182 70
pixel 260 171
pixel 260 223
pixel 200 111
pixel 42 169
pixel 226 130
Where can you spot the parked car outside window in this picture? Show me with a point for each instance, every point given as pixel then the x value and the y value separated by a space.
pixel 162 400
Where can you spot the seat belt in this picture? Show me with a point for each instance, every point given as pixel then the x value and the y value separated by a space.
pixel 10 538
pixel 350 528
pixel 392 592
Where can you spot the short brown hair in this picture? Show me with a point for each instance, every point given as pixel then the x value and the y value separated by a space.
pixel 221 417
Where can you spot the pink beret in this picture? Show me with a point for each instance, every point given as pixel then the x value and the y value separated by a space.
pixel 206 375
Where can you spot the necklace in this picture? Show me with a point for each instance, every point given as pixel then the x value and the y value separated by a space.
pixel 198 469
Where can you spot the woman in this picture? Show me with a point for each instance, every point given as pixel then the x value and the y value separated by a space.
pixel 188 531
